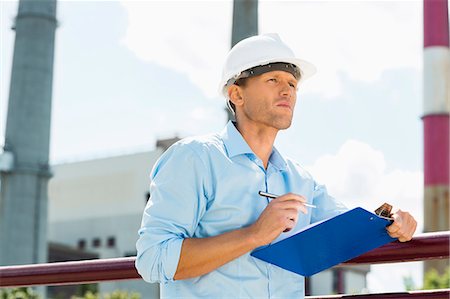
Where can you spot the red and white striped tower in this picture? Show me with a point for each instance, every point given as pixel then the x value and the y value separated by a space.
pixel 436 106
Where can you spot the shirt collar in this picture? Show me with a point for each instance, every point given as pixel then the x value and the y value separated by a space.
pixel 236 145
pixel 234 142
pixel 277 160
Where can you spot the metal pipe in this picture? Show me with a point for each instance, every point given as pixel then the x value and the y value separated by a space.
pixel 424 246
pixel 429 294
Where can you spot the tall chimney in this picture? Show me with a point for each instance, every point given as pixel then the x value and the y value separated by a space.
pixel 245 24
pixel 23 198
pixel 436 108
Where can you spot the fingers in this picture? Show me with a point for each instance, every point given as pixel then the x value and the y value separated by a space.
pixel 291 196
pixel 290 201
pixel 403 227
pixel 289 205
pixel 396 225
pixel 290 218
pixel 281 214
pixel 289 225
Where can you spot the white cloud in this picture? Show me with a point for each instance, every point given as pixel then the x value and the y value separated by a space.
pixel 202 119
pixel 358 175
pixel 353 173
pixel 190 37
pixel 360 39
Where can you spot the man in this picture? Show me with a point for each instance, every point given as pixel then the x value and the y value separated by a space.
pixel 205 216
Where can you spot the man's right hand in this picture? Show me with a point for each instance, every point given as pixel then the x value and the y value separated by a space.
pixel 202 255
pixel 280 214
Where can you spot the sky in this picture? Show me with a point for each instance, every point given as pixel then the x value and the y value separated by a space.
pixel 127 73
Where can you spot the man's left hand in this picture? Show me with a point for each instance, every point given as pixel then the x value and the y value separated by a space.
pixel 403 227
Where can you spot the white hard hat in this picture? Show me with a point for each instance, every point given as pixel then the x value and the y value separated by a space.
pixel 256 51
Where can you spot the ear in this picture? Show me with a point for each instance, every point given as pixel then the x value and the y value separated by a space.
pixel 235 95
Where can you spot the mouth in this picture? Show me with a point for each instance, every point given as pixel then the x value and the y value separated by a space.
pixel 284 104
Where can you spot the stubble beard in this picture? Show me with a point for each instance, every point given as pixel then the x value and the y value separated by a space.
pixel 269 116
pixel 279 121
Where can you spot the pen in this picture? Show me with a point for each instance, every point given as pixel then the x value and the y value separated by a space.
pixel 269 195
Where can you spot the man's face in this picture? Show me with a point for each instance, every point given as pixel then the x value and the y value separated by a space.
pixel 268 99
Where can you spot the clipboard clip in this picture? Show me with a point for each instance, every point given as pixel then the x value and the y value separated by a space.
pixel 384 211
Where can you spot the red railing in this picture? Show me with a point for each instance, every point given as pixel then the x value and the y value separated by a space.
pixel 421 247
pixel 431 294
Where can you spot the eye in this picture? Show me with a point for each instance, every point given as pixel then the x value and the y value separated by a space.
pixel 272 79
pixel 293 85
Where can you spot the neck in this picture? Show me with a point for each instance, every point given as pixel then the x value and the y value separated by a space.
pixel 259 138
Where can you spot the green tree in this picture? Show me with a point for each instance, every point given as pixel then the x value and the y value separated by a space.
pixel 85 288
pixel 118 294
pixel 18 293
pixel 122 295
pixel 433 280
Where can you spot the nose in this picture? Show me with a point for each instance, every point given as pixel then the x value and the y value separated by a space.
pixel 286 89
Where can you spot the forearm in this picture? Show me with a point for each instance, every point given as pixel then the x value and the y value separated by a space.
pixel 200 256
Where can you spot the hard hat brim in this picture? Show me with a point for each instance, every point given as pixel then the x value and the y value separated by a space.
pixel 307 70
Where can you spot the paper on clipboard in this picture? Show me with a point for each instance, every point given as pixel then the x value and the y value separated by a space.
pixel 325 244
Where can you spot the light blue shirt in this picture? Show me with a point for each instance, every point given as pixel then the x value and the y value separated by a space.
pixel 206 186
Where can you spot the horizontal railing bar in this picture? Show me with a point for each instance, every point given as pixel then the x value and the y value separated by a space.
pixel 422 247
pixel 428 294
pixel 65 273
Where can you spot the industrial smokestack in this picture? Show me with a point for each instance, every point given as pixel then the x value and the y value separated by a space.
pixel 245 20
pixel 436 108
pixel 245 24
pixel 23 201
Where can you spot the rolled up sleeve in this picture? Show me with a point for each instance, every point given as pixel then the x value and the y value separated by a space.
pixel 177 202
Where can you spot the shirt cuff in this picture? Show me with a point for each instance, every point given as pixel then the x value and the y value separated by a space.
pixel 172 254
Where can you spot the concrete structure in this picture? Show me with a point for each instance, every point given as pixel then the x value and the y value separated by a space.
pixel 23 201
pixel 338 280
pixel 245 24
pixel 245 20
pixel 436 109
pixel 96 206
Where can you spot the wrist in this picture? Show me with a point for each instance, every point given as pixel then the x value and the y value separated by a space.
pixel 251 237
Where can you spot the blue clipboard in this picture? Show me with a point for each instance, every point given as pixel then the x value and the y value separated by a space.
pixel 322 245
